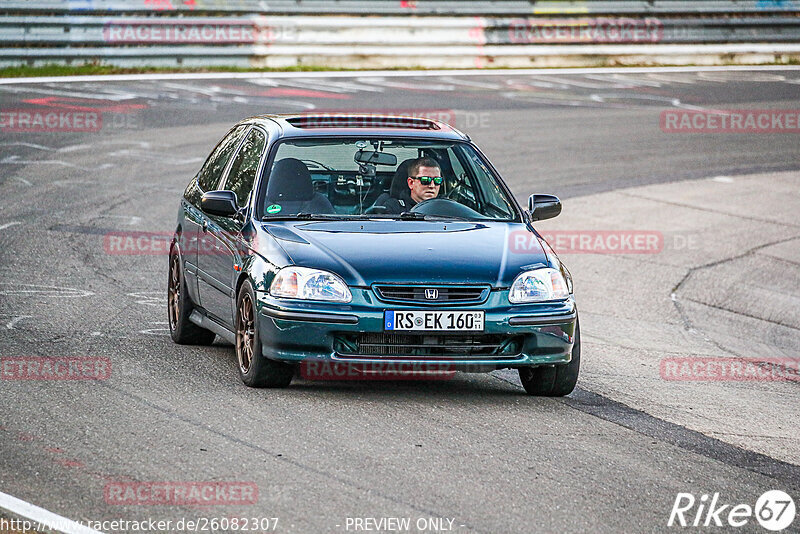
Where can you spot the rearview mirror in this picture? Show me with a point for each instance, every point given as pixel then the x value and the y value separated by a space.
pixel 222 203
pixel 541 207
pixel 376 158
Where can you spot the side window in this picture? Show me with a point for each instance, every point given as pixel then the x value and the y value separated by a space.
pixel 211 172
pixel 463 190
pixel 458 169
pixel 245 165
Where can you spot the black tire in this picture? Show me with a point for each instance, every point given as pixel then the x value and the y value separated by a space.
pixel 555 381
pixel 179 308
pixel 255 370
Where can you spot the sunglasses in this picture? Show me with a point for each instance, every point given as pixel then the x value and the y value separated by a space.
pixel 426 180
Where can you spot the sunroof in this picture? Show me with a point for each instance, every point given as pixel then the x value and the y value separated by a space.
pixel 361 121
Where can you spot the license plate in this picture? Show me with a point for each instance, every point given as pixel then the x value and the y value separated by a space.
pixel 452 321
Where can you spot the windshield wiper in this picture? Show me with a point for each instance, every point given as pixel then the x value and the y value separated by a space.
pixel 450 218
pixel 405 216
pixel 412 216
pixel 307 217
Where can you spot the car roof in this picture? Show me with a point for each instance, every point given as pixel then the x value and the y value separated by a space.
pixel 356 124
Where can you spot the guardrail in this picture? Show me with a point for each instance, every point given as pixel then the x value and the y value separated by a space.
pixel 405 7
pixel 174 34
pixel 431 31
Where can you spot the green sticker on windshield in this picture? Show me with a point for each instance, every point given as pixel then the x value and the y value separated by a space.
pixel 274 208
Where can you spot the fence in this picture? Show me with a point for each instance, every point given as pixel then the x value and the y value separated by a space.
pixel 281 33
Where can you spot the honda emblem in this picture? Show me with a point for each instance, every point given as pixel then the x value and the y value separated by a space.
pixel 431 294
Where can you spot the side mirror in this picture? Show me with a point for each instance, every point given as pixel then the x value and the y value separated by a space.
pixel 541 207
pixel 222 203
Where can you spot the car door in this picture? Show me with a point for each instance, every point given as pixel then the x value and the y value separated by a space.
pixel 224 233
pixel 209 179
pixel 193 218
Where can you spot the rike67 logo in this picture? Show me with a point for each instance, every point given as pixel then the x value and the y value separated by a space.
pixel 774 510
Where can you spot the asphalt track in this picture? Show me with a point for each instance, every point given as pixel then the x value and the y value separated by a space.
pixel 609 458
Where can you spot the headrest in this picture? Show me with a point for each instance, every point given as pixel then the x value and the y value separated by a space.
pixel 400 179
pixel 290 180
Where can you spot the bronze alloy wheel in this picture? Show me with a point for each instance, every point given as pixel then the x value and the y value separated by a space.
pixel 174 292
pixel 245 334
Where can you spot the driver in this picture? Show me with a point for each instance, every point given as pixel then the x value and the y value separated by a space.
pixel 424 181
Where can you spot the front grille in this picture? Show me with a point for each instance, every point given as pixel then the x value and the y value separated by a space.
pixel 447 346
pixel 443 294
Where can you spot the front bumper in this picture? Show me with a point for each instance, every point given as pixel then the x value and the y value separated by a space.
pixel 298 331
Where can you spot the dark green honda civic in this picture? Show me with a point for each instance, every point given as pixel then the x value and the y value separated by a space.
pixel 372 243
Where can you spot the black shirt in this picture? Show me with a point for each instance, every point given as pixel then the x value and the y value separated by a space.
pixel 396 205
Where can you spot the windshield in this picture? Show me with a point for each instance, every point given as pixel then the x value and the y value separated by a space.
pixel 381 178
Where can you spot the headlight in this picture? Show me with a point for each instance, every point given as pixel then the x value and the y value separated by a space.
pixel 538 286
pixel 309 284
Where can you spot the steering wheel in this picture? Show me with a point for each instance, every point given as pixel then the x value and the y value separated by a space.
pixel 461 181
pixel 444 207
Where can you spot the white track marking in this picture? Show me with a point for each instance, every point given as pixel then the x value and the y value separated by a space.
pixel 537 99
pixel 9 224
pixel 576 83
pixel 30 145
pixel 739 77
pixel 517 84
pixel 154 156
pixel 315 85
pixel 14 160
pixel 22 180
pixel 470 83
pixel 722 179
pixel 319 84
pixel 688 78
pixel 676 102
pixel 380 82
pixel 75 148
pixel 387 73
pixel 207 91
pixel 150 298
pixel 156 331
pixel 352 86
pixel 263 82
pixel 114 97
pixel 616 98
pixel 43 291
pixel 622 81
pixel 13 322
pixel 44 517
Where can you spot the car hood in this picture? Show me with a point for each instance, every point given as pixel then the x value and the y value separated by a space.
pixel 368 252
